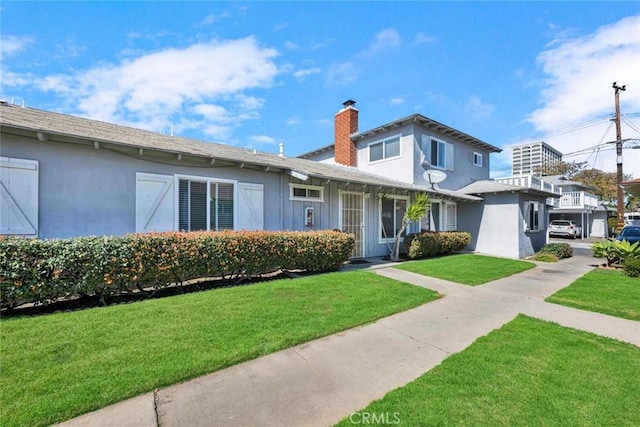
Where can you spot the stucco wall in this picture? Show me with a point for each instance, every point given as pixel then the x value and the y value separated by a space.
pixel 464 171
pixel 398 168
pixel 532 241
pixel 493 224
pixel 88 191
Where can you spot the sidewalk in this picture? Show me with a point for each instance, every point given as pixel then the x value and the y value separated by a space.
pixel 320 382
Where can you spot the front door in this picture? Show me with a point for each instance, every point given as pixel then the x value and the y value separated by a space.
pixel 352 219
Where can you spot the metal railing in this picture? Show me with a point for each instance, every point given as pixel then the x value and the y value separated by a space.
pixel 569 200
pixel 578 200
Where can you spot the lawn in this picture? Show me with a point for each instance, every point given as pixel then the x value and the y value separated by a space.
pixel 527 373
pixel 603 291
pixel 58 366
pixel 468 269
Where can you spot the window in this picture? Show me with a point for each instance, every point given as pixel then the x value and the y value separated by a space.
pixel 477 159
pixel 311 193
pixel 533 216
pixel 392 209
pixel 384 149
pixel 205 205
pixel 437 153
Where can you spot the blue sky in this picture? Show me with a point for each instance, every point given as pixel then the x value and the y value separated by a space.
pixel 254 74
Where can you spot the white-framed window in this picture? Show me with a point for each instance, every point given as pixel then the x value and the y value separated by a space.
pixel 205 204
pixel 477 159
pixel 190 203
pixel 392 210
pixel 309 193
pixel 437 153
pixel 385 149
pixel 441 216
pixel 533 216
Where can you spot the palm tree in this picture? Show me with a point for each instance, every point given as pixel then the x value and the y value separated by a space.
pixel 414 212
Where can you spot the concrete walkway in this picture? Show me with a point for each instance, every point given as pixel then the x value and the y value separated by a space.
pixel 320 382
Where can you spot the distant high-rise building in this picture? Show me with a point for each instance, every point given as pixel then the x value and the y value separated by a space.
pixel 534 158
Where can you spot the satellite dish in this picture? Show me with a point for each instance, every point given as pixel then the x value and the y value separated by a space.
pixel 434 176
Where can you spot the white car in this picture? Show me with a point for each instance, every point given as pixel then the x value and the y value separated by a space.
pixel 565 228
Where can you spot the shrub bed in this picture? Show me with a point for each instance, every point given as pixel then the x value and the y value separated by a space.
pixel 631 267
pixel 546 257
pixel 42 271
pixel 561 250
pixel 431 243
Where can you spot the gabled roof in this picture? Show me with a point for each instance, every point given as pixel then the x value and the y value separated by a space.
pixel 490 186
pixel 632 187
pixel 421 120
pixel 64 128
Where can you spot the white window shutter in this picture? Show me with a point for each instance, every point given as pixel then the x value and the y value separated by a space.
pixel 154 203
pixel 449 157
pixel 250 206
pixel 19 196
pixel 425 147
pixel 527 215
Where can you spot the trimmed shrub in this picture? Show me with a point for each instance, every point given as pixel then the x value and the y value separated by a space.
pixel 431 243
pixel 546 257
pixel 42 271
pixel 561 250
pixel 631 267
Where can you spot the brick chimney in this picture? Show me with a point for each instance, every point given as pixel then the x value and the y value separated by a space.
pixel 346 124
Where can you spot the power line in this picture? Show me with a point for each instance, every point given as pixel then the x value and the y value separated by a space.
pixel 630 124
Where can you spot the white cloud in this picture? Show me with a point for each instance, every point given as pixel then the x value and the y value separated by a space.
pixel 11 45
pixel 294 120
pixel 289 45
pixel 422 38
pixel 397 100
pixel 214 113
pixel 304 72
pixel 281 26
pixel 212 19
pixel 342 73
pixel 151 90
pixel 69 48
pixel 579 72
pixel 478 110
pixel 11 79
pixel 263 140
pixel 385 39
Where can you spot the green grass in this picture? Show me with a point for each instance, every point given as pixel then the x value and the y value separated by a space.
pixel 603 291
pixel 468 269
pixel 58 366
pixel 527 373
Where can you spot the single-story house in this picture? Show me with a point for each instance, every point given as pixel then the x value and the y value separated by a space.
pixel 65 176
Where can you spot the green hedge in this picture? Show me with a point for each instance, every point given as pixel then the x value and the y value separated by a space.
pixel 41 271
pixel 432 243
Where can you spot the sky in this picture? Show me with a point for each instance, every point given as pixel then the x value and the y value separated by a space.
pixel 254 74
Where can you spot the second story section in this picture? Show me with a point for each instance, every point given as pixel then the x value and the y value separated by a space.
pixel 407 150
pixel 575 195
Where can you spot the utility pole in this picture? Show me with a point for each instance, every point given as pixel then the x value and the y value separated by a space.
pixel 620 194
